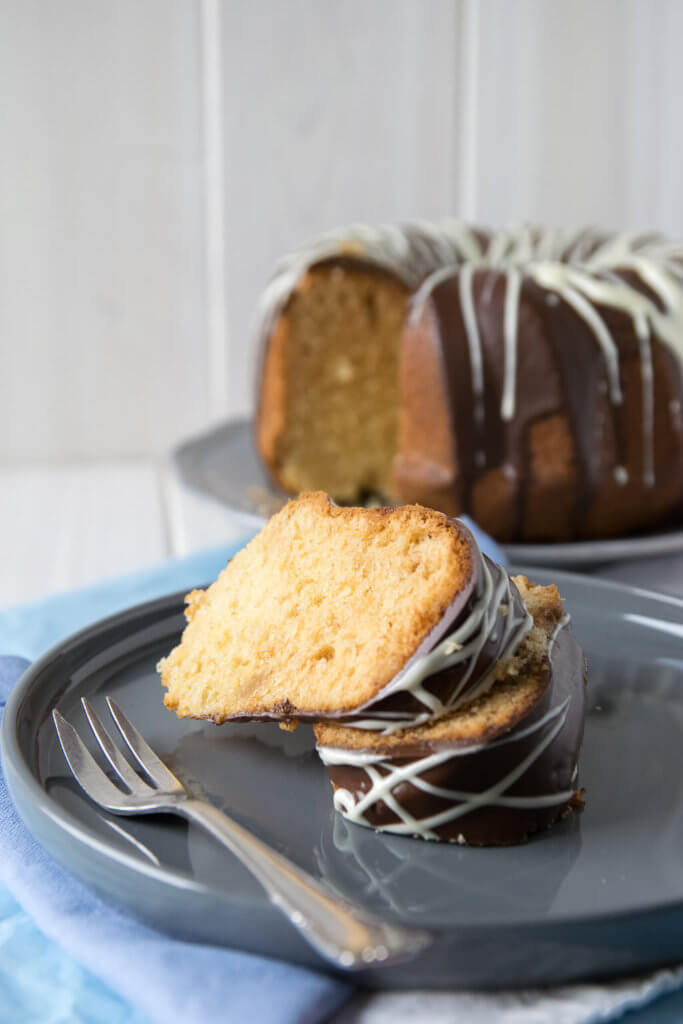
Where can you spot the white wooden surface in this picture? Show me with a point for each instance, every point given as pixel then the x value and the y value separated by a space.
pixel 579 113
pixel 158 157
pixel 66 526
pixel 73 524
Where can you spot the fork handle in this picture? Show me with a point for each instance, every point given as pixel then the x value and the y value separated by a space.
pixel 344 936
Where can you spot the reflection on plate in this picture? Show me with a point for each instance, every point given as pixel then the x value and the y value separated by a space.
pixel 359 867
pixel 599 894
pixel 223 463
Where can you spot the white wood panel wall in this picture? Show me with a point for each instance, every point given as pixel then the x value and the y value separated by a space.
pixel 333 113
pixel 157 156
pixel 579 112
pixel 101 237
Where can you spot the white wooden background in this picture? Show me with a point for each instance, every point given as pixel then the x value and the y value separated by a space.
pixel 157 156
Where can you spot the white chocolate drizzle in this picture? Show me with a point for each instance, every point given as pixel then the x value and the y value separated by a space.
pixel 648 399
pixel 510 318
pixel 563 621
pixel 385 776
pixel 461 647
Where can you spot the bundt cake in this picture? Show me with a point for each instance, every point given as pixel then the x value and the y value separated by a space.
pixel 532 378
pixel 448 697
pixel 492 772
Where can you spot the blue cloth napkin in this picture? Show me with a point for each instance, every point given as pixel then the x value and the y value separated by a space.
pixel 114 962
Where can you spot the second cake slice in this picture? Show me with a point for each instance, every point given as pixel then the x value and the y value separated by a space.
pixel 499 769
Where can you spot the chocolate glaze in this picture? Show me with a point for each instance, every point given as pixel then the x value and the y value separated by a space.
pixel 504 443
pixel 474 772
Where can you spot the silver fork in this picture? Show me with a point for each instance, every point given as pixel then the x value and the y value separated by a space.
pixel 347 937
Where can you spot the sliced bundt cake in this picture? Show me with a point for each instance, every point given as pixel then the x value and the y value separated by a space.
pixel 382 616
pixel 448 697
pixel 530 377
pixel 494 771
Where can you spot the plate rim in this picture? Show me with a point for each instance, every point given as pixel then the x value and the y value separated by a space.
pixel 18 770
pixel 12 757
pixel 582 552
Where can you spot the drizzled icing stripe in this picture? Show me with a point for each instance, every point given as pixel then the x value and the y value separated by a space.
pixel 565 286
pixel 462 647
pixel 563 621
pixel 386 776
pixel 642 331
pixel 510 319
pixel 648 399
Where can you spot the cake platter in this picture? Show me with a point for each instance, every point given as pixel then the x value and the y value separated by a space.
pixel 593 897
pixel 223 464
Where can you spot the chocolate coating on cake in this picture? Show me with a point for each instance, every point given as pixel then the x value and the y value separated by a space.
pixel 584 323
pixel 495 792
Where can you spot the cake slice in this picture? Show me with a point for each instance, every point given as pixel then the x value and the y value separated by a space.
pixel 383 617
pixel 493 772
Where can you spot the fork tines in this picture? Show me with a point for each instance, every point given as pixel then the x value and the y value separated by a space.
pixel 91 776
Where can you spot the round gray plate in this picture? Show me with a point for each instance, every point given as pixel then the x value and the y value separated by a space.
pixel 599 894
pixel 223 463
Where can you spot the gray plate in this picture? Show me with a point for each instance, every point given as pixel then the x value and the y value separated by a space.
pixel 223 464
pixel 600 894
